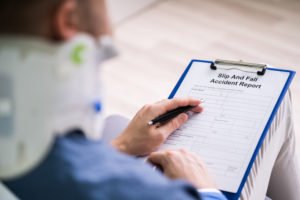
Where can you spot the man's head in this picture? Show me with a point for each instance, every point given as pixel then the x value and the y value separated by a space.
pixel 53 85
pixel 57 20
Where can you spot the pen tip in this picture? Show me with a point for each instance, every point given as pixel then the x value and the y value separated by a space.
pixel 150 123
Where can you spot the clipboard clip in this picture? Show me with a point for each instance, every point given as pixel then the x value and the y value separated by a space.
pixel 259 69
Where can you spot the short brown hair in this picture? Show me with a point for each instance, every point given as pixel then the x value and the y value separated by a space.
pixel 23 16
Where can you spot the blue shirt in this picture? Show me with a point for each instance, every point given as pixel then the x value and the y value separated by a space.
pixel 80 169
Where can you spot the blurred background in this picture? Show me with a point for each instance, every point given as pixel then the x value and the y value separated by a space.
pixel 158 38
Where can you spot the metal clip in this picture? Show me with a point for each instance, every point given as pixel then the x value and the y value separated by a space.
pixel 260 69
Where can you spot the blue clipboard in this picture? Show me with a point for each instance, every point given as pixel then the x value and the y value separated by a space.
pixel 229 195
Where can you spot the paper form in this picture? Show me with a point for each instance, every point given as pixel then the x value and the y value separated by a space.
pixel 236 110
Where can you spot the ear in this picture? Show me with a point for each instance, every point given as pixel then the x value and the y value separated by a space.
pixel 65 20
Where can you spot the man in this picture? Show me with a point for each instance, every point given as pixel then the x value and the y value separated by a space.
pixel 50 115
pixel 55 78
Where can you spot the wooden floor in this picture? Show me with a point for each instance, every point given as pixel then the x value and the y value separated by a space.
pixel 157 44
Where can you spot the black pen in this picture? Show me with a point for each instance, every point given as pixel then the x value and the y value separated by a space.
pixel 171 114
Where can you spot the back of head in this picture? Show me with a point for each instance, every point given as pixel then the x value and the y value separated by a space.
pixel 57 20
pixel 28 17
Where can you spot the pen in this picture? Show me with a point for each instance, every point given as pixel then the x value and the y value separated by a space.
pixel 171 114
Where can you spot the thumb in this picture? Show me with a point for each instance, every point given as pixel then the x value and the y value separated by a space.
pixel 157 158
pixel 174 124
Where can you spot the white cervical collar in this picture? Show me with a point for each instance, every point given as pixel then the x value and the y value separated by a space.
pixel 45 89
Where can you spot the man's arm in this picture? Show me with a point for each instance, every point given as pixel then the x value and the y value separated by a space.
pixel 141 139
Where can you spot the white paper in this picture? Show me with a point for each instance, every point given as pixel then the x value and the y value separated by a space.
pixel 226 133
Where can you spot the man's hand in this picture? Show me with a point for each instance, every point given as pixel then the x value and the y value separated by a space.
pixel 141 139
pixel 181 164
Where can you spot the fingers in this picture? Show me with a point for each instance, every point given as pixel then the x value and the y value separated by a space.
pixel 166 157
pixel 182 164
pixel 158 158
pixel 170 104
pixel 178 121
pixel 179 102
pixel 166 105
pixel 173 124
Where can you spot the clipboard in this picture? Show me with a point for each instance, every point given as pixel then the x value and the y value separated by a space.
pixel 259 69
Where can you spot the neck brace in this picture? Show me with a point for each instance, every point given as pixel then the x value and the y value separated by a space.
pixel 45 89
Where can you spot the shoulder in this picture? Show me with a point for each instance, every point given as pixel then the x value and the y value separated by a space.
pixel 96 168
